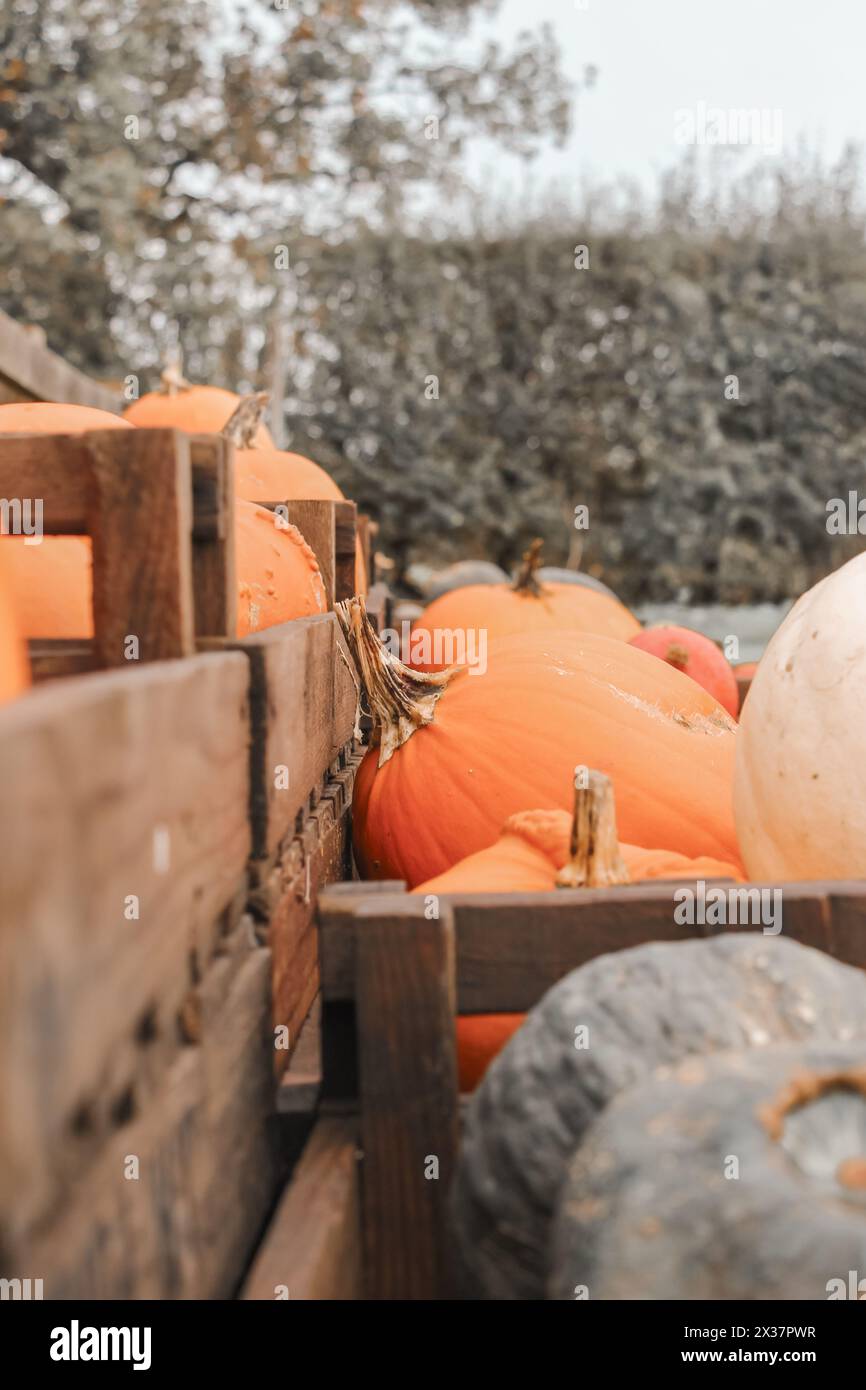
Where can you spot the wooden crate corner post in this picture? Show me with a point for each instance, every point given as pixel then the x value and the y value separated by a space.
pixel 405 1000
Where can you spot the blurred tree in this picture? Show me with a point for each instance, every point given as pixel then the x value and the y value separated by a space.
pixel 155 155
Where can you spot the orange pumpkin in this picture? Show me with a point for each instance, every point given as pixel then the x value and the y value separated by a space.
pixel 49 417
pixel 505 610
pixel 538 851
pixel 195 409
pixel 533 847
pixel 456 753
pixel 268 474
pixel 14 668
pixel 278 577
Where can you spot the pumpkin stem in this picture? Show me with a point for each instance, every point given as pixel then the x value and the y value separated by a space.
pixel 172 378
pixel 677 656
pixel 400 700
pixel 241 426
pixel 594 858
pixel 526 581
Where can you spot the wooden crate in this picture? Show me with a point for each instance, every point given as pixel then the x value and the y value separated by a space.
pixel 135 1021
pixel 159 508
pixel 211 795
pixel 30 371
pixel 393 979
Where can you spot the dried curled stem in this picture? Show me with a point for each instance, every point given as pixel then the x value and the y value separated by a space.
pixel 241 426
pixel 527 581
pixel 594 859
pixel 400 700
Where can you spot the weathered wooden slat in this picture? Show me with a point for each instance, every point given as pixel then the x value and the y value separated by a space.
pixel 512 947
pixel 214 568
pixel 303 702
pixel 54 468
pixel 301 1084
pixel 29 370
pixel 409 1110
pixel 123 839
pixel 847 925
pixel 173 1202
pixel 284 896
pixel 51 657
pixel 345 545
pixel 141 527
pixel 312 1249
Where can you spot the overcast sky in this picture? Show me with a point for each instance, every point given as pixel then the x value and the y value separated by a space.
pixel 802 58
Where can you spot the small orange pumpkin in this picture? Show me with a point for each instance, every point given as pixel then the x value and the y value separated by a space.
pixel 539 851
pixel 456 754
pixel 195 409
pixel 506 610
pixel 278 577
pixel 267 474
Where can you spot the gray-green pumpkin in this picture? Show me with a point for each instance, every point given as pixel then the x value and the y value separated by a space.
pixel 739 1176
pixel 636 1010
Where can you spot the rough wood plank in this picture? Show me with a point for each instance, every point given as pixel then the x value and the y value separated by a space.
pixel 510 953
pixel 51 657
pixel 208 1166
pixel 303 713
pixel 55 468
pixel 345 545
pixel 214 565
pixel 511 947
pixel 301 1083
pixel 312 1249
pixel 141 527
pixel 284 899
pixel 336 909
pixel 31 371
pixel 365 525
pixel 847 927
pixel 122 793
pixel 409 1112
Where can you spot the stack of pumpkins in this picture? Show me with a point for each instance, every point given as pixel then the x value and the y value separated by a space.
pixel 751 1049
pixel 46 589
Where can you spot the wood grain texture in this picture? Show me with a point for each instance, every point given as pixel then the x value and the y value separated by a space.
pixel 284 895
pixel 214 565
pixel 409 1109
pixel 312 1247
pixel 29 370
pixel 363 525
pixel 141 528
pixel 122 793
pixel 301 1082
pixel 51 657
pixel 208 1165
pixel 54 468
pixel 345 545
pixel 511 947
pixel 303 700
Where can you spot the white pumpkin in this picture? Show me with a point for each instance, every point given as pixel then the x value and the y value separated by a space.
pixel 800 781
